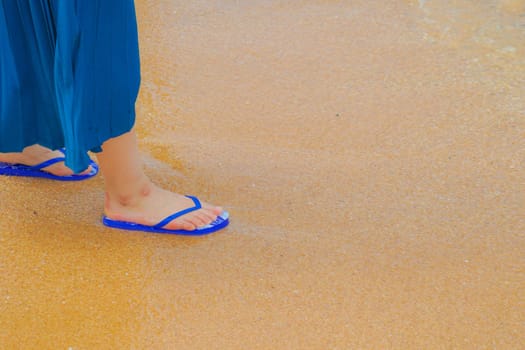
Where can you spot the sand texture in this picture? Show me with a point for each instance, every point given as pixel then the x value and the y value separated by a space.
pixel 371 154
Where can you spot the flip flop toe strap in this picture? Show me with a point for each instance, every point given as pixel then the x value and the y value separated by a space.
pixel 197 206
pixel 48 163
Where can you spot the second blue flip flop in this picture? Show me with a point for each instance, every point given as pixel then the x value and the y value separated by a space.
pixel 9 169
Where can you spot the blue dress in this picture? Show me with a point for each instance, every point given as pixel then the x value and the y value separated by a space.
pixel 69 74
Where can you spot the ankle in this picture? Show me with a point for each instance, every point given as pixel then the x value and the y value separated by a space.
pixel 127 197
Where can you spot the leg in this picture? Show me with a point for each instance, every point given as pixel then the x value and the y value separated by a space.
pixel 131 196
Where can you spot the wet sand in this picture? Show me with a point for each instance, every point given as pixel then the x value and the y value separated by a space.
pixel 371 155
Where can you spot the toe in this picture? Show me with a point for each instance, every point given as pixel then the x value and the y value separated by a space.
pixel 200 219
pixel 209 216
pixel 213 209
pixel 180 224
pixel 188 226
pixel 207 205
pixel 87 171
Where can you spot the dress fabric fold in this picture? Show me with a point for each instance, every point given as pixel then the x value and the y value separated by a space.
pixel 69 74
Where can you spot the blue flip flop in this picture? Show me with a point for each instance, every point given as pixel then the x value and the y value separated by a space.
pixel 221 222
pixel 9 169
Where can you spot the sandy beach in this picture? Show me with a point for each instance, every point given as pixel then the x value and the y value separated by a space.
pixel 371 155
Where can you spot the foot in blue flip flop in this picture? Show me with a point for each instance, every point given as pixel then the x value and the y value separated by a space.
pixel 44 169
pixel 220 222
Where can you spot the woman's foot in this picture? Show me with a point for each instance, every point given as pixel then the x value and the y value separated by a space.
pixel 152 204
pixel 132 197
pixel 37 154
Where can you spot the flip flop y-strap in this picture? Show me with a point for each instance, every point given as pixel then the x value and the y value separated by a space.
pixel 180 213
pixel 48 163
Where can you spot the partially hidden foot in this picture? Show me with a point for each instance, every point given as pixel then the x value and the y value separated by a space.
pixel 36 154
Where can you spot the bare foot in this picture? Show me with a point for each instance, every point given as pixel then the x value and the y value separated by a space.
pixel 132 197
pixel 37 154
pixel 152 204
